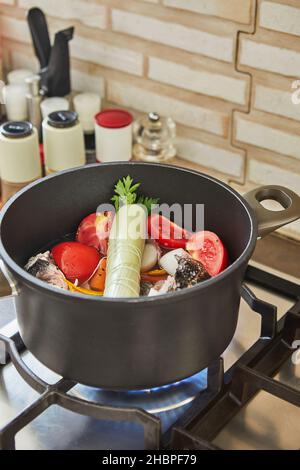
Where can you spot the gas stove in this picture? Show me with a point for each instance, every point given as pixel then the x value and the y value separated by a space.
pixel 247 399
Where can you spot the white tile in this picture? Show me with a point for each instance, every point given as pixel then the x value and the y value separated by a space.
pixel 209 156
pixel 264 173
pixel 88 83
pixel 89 13
pixel 173 34
pixel 82 48
pixel 271 58
pixel 97 52
pixel 21 61
pixel 107 55
pixel 201 81
pixel 182 112
pixel 236 10
pixel 276 101
pixel 280 17
pixel 13 28
pixel 267 138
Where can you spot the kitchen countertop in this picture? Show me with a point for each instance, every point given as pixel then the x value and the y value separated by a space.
pixel 282 254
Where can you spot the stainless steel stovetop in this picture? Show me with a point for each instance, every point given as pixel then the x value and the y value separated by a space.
pixel 266 422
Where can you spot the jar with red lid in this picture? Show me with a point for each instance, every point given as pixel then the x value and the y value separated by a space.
pixel 114 135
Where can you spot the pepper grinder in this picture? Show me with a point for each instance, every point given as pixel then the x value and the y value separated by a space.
pixel 154 138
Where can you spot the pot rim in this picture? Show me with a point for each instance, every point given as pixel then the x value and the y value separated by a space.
pixel 172 296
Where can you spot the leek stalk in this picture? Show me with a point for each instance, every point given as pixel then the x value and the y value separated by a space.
pixel 125 252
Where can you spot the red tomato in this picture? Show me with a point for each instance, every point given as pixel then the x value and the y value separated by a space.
pixel 94 231
pixel 76 261
pixel 207 248
pixel 166 233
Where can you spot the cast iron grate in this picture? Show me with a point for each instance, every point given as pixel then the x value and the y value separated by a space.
pixel 212 409
pixel 251 374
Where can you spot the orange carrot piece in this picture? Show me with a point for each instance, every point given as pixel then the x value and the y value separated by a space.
pixel 98 280
pixel 81 290
pixel 153 279
pixel 156 272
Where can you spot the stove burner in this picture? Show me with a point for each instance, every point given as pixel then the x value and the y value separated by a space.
pixel 206 401
pixel 155 401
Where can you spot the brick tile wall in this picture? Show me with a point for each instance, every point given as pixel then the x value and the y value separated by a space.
pixel 223 69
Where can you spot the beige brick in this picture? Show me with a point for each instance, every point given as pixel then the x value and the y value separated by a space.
pixel 20 61
pixel 275 101
pixel 90 50
pixel 270 58
pixel 173 34
pixel 107 55
pixel 280 17
pixel 7 2
pixel 89 13
pixel 236 10
pixel 196 167
pixel 264 173
pixel 209 156
pixel 190 115
pixel 88 83
pixel 201 81
pixel 15 29
pixel 265 137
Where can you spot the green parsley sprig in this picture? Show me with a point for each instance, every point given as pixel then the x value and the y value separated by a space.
pixel 126 193
pixel 148 202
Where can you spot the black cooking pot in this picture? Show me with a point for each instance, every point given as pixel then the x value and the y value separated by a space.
pixel 132 343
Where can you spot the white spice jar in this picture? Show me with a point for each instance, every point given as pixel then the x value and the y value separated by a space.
pixel 15 102
pixel 63 141
pixel 19 76
pixel 114 135
pixel 87 105
pixel 50 105
pixel 20 161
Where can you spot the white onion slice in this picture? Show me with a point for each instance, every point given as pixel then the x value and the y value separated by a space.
pixel 151 256
pixel 169 261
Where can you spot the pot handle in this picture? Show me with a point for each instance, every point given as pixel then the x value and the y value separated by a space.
pixel 268 220
pixel 7 285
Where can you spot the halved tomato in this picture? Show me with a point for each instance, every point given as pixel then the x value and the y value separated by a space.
pixel 167 233
pixel 94 230
pixel 76 261
pixel 207 248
